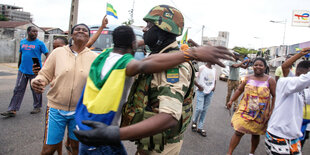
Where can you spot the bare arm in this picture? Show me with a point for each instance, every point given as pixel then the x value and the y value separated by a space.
pixel 46 55
pixel 245 65
pixel 19 59
pixel 214 85
pixel 160 62
pixel 272 85
pixel 199 87
pixel 238 92
pixel 277 78
pixel 289 62
pixel 148 127
pixel 93 39
pixel 241 64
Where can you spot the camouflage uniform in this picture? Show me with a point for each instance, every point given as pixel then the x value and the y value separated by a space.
pixel 169 92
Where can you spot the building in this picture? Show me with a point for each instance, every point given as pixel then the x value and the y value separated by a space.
pixel 11 33
pixel 221 40
pixel 17 30
pixel 52 30
pixel 14 13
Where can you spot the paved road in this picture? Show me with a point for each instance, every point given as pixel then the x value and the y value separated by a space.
pixel 23 134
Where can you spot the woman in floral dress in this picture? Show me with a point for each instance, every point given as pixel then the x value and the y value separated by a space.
pixel 254 109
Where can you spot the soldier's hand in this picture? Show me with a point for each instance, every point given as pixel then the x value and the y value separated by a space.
pixel 101 134
pixel 211 54
pixel 37 85
pixel 35 69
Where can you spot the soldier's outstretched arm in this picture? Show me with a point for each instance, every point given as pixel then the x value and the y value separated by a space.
pixel 102 134
pixel 160 62
pixel 148 127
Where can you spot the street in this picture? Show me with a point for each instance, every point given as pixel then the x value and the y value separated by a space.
pixel 23 134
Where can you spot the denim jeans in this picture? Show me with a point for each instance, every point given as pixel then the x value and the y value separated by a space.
pixel 107 149
pixel 202 104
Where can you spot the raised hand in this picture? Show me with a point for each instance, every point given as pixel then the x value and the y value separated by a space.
pixel 101 134
pixel 211 54
pixel 105 21
pixel 305 51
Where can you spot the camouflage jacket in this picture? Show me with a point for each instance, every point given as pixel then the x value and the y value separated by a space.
pixel 168 92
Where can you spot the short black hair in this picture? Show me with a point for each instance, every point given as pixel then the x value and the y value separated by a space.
pixel 123 36
pixel 236 53
pixel 79 25
pixel 261 59
pixel 303 65
pixel 29 28
pixel 64 39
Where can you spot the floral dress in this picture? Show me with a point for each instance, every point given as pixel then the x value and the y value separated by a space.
pixel 255 103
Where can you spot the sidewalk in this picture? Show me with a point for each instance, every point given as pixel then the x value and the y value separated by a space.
pixel 8 70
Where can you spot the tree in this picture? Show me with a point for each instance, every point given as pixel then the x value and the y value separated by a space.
pixel 3 18
pixel 244 51
pixel 128 23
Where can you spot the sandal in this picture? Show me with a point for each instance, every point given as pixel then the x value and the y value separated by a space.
pixel 194 127
pixel 10 113
pixel 202 132
pixel 68 148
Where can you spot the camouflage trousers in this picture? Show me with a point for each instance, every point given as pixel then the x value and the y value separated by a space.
pixel 170 149
pixel 232 85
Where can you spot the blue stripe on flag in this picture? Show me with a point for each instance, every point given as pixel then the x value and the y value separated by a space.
pixel 112 14
pixel 82 114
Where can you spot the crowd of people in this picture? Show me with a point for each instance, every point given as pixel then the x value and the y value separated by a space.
pixel 106 98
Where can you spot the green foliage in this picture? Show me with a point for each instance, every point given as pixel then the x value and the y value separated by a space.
pixel 3 18
pixel 128 23
pixel 244 51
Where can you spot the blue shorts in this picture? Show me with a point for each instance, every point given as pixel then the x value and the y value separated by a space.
pixel 56 122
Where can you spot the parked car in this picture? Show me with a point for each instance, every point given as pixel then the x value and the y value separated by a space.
pixel 242 72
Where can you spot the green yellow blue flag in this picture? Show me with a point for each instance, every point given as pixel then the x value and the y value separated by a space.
pixel 184 39
pixel 101 98
pixel 111 11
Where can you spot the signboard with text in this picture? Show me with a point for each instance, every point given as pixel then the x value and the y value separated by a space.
pixel 301 18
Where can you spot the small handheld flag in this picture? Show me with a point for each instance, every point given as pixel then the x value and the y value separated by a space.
pixel 184 39
pixel 111 11
pixel 299 49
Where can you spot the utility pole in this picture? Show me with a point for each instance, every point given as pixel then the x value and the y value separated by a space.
pixel 203 27
pixel 131 12
pixel 73 15
pixel 283 43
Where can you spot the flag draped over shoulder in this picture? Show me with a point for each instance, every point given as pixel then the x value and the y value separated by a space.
pixel 111 11
pixel 184 39
pixel 101 98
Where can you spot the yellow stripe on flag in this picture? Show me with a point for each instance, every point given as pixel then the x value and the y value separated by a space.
pixel 108 98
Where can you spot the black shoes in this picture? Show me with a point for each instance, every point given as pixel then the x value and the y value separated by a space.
pixel 35 111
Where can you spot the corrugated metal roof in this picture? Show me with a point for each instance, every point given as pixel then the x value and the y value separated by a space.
pixel 11 24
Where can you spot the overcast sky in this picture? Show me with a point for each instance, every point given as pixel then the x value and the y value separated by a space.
pixel 247 21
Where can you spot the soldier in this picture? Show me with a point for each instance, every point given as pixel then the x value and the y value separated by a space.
pixel 159 106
